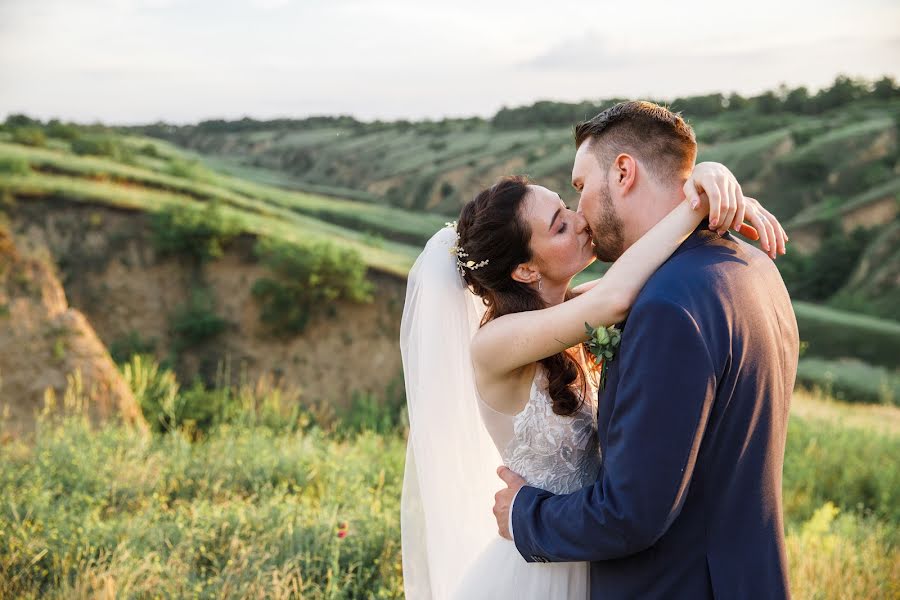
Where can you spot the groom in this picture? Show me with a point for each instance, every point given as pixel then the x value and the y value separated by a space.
pixel 693 418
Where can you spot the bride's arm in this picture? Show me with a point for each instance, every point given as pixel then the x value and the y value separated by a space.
pixel 514 340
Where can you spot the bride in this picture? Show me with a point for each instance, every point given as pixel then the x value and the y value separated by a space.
pixel 487 384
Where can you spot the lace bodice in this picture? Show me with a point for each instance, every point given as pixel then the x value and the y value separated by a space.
pixel 556 453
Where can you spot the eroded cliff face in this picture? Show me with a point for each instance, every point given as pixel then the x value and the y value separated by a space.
pixel 46 347
pixel 113 274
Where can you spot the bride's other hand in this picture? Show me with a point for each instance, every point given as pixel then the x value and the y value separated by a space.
pixel 772 236
pixel 728 207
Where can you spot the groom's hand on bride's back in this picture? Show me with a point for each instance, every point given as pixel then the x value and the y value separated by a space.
pixel 503 499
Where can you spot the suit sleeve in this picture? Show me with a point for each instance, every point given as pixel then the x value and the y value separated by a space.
pixel 665 391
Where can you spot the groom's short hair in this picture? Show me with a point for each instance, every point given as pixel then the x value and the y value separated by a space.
pixel 647 131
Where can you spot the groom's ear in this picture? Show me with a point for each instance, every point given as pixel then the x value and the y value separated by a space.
pixel 624 173
pixel 525 273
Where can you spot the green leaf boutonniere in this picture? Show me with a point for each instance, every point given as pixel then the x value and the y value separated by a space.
pixel 603 343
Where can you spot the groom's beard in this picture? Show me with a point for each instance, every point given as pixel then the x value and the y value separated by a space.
pixel 609 239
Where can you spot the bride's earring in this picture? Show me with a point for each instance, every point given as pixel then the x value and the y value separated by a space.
pixel 540 283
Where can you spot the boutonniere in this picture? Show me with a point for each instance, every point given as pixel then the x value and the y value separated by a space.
pixel 603 343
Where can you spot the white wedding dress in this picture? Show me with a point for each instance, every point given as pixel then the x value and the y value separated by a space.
pixel 450 544
pixel 556 453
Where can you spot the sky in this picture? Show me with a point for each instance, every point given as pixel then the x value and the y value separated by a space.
pixel 182 61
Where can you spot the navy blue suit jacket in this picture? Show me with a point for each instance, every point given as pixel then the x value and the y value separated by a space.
pixel 692 427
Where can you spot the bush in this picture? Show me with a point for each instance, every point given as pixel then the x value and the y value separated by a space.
pixel 820 275
pixel 308 280
pixel 101 145
pixel 368 412
pixel 156 391
pixel 150 150
pixel 123 348
pixel 200 234
pixel 186 169
pixel 850 380
pixel 807 167
pixel 196 322
pixel 29 136
pixel 14 165
pixel 62 131
pixel 837 334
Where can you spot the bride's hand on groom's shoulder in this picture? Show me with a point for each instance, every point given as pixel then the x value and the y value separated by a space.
pixel 713 185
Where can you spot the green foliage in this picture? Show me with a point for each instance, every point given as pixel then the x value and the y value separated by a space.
pixel 819 275
pixel 196 322
pixel 370 413
pixel 19 120
pixel 307 281
pixel 850 380
pixel 156 391
pixel 840 554
pixel 62 131
pixel 187 169
pixel 100 145
pixel 252 511
pixel 200 234
pixel 123 348
pixel 827 462
pixel 14 165
pixel 837 334
pixel 150 150
pixel 29 136
pixel 243 512
pixel 807 167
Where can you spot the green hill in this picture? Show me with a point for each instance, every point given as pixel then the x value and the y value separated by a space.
pixel 825 163
pixel 829 168
pixel 388 239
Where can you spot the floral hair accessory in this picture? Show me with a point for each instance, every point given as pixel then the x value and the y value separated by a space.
pixel 461 254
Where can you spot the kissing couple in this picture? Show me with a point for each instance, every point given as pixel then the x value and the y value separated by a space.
pixel 654 475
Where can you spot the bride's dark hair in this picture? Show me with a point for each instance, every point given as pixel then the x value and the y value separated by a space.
pixel 491 227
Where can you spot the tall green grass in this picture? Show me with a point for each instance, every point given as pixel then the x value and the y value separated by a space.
pixel 287 505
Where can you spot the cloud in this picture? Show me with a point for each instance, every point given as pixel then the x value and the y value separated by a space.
pixel 588 50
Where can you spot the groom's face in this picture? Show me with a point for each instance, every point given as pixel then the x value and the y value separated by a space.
pixel 597 205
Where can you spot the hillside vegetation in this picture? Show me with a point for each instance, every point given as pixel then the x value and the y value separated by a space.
pixel 826 164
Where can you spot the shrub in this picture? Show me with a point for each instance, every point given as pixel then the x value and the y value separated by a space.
pixel 850 380
pixel 820 275
pixel 150 150
pixel 156 391
pixel 196 322
pixel 101 145
pixel 63 131
pixel 123 348
pixel 14 165
pixel 837 334
pixel 308 280
pixel 186 169
pixel 29 136
pixel 200 234
pixel 368 412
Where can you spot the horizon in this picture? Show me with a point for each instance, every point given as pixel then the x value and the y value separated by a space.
pixel 135 62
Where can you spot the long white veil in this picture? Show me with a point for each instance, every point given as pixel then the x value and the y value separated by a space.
pixel 450 480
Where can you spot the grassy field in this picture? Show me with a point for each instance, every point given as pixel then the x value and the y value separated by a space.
pixel 294 507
